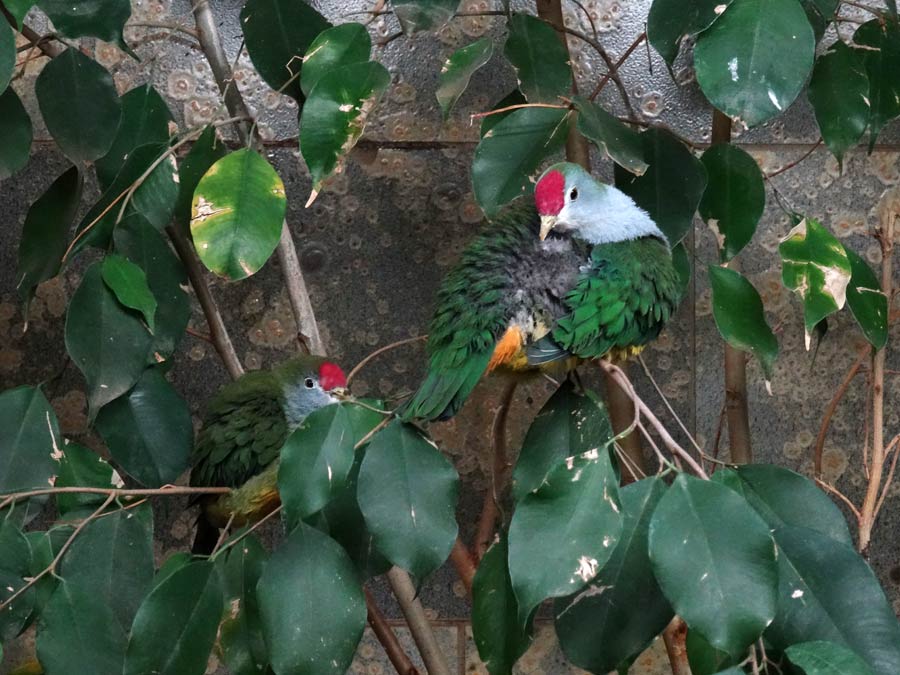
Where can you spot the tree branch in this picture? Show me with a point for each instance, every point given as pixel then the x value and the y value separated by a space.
pixel 490 509
pixel 387 637
pixel 461 559
pixel 421 630
pixel 674 637
pixel 116 493
pixel 830 410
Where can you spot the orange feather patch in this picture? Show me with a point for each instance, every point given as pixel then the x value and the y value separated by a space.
pixel 509 349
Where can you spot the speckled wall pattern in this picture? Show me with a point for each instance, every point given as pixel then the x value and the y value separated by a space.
pixel 381 235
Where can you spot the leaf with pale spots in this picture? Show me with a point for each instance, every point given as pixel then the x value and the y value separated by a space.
pixel 416 16
pixel 458 70
pixel 334 47
pixel 562 533
pixel 129 283
pixel 867 301
pixel 879 43
pixel 815 266
pixel 670 21
pixel 237 214
pixel 30 441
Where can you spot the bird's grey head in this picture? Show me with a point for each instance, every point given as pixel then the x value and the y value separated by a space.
pixel 569 200
pixel 309 383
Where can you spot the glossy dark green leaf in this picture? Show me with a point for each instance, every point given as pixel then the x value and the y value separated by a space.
pixel 15 129
pixel 569 424
pixel 622 144
pixel 334 47
pixel 513 98
pixel 414 522
pixel 7 55
pixel 108 343
pixel 334 117
pixel 826 591
pixel 79 103
pixel 278 33
pixel 681 260
pixel 826 658
pixel 315 461
pixel 622 609
pixel 149 431
pixel 45 233
pixel 671 188
pixel 44 548
pixel 740 316
pixel 880 53
pixel 867 301
pixel 511 153
pixel 714 558
pixel 499 638
pixel 458 70
pixel 237 214
pixel 78 633
pixel 740 59
pixel 82 467
pixel 734 198
pixel 540 59
pixel 175 627
pixel 312 605
pixel 423 15
pixel 104 19
pixel 18 9
pixel 112 560
pixel 15 567
pixel 171 565
pixel 562 534
pixel 145 119
pixel 29 440
pixel 820 13
pixel 145 246
pixel 815 266
pixel 783 497
pixel 670 21
pixel 206 151
pixel 839 93
pixel 240 635
pixel 892 7
pixel 705 659
pixel 129 284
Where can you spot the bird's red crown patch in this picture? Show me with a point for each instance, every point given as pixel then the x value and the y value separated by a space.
pixel 549 193
pixel 331 376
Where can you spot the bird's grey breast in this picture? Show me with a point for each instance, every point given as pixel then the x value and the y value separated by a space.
pixel 547 270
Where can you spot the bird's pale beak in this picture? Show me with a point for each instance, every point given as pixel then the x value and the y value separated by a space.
pixel 340 392
pixel 547 223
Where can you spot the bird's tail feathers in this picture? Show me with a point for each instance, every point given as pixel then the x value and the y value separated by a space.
pixel 545 350
pixel 443 392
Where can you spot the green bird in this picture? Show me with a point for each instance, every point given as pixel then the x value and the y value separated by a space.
pixel 582 273
pixel 245 427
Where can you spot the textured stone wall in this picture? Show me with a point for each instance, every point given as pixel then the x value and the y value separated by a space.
pixel 379 238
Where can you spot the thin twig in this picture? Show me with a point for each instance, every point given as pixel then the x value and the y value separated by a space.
pixel 892 446
pixel 614 69
pixel 830 410
pixel 837 493
pixel 674 637
pixel 259 523
pixel 223 535
pixel 477 116
pixel 170 25
pixel 115 493
pixel 387 637
pixel 791 165
pixel 378 352
pixel 668 405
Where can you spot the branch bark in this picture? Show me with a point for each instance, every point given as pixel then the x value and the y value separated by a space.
pixel 674 637
pixel 412 609
pixel 388 638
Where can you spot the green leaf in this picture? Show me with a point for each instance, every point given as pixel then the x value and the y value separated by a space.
pixel 670 21
pixel 458 70
pixel 734 198
pixel 672 186
pixel 783 497
pixel 142 244
pixel 129 283
pixel 29 440
pixel 79 103
pixel 740 59
pixel 82 467
pixel 333 48
pixel 423 15
pixel 867 301
pixel 107 343
pixel 826 658
pixel 334 117
pixel 18 9
pixel 149 431
pixel 487 123
pixel 44 548
pixel 175 627
pixel 622 609
pixel 495 614
pixel 7 55
pixel 569 424
pixel 820 13
pixel 278 33
pixel 511 153
pixel 15 567
pixel 45 233
pixel 79 633
pixel 681 260
pixel 815 266
pixel 15 129
pixel 171 565
pixel 145 119
pixel 705 659
pixel 880 53
pixel 839 93
pixel 714 558
pixel 562 534
pixel 237 214
pixel 112 560
pixel 315 461
pixel 622 144
pixel 104 19
pixel 826 591
pixel 240 635
pixel 312 605
pixel 206 151
pixel 414 522
pixel 740 316
pixel 540 59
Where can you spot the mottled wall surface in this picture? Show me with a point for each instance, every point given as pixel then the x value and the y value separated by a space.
pixel 379 238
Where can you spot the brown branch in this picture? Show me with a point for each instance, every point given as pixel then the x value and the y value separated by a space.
pixel 168 25
pixel 259 523
pixel 830 410
pixel 614 69
pixel 421 630
pixel 893 445
pixel 46 46
pixel 840 495
pixel 463 563
pixel 488 113
pixel 791 165
pixel 116 493
pixel 387 637
pixel 378 352
pixel 675 637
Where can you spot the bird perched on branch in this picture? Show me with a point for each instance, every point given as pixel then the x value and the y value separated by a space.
pixel 584 275
pixel 246 425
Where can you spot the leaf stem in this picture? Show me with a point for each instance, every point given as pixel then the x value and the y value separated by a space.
pixel 830 410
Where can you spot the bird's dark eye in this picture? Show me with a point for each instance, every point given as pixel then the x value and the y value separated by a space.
pixel 310 383
pixel 573 195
